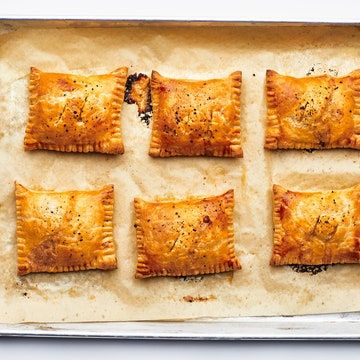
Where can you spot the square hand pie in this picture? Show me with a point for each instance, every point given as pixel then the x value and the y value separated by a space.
pixel 196 117
pixel 64 231
pixel 319 112
pixel 185 237
pixel 75 113
pixel 316 228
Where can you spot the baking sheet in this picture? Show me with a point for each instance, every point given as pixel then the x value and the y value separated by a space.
pixel 257 289
pixel 343 326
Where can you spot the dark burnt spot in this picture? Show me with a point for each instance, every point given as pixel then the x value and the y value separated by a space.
pixel 310 72
pixel 146 117
pixel 128 86
pixel 206 219
pixel 137 91
pixel 310 269
pixel 191 278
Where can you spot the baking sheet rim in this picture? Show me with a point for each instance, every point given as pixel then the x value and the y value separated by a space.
pixel 307 327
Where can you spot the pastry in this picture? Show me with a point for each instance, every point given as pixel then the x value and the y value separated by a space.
pixel 316 228
pixel 64 231
pixel 185 237
pixel 196 117
pixel 318 112
pixel 75 113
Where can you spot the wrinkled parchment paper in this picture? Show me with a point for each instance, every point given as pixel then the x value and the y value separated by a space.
pixel 199 52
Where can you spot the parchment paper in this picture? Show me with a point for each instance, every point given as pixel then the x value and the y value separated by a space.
pixel 198 52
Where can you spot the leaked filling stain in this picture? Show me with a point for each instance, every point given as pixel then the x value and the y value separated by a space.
pixel 191 299
pixel 191 278
pixel 310 269
pixel 137 91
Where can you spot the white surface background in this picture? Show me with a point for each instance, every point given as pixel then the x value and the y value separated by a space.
pixel 41 349
pixel 261 10
pixel 330 10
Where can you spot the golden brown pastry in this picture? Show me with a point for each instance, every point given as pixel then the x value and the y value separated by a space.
pixel 193 118
pixel 316 228
pixel 185 237
pixel 75 113
pixel 64 231
pixel 317 112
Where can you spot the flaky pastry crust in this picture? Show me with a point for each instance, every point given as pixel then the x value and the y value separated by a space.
pixel 196 117
pixel 64 231
pixel 185 237
pixel 318 112
pixel 75 113
pixel 316 228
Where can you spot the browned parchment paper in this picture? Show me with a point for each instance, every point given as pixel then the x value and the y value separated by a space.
pixel 199 52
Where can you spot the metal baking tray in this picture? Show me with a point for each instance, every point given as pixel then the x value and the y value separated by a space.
pixel 345 326
pixel 342 326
